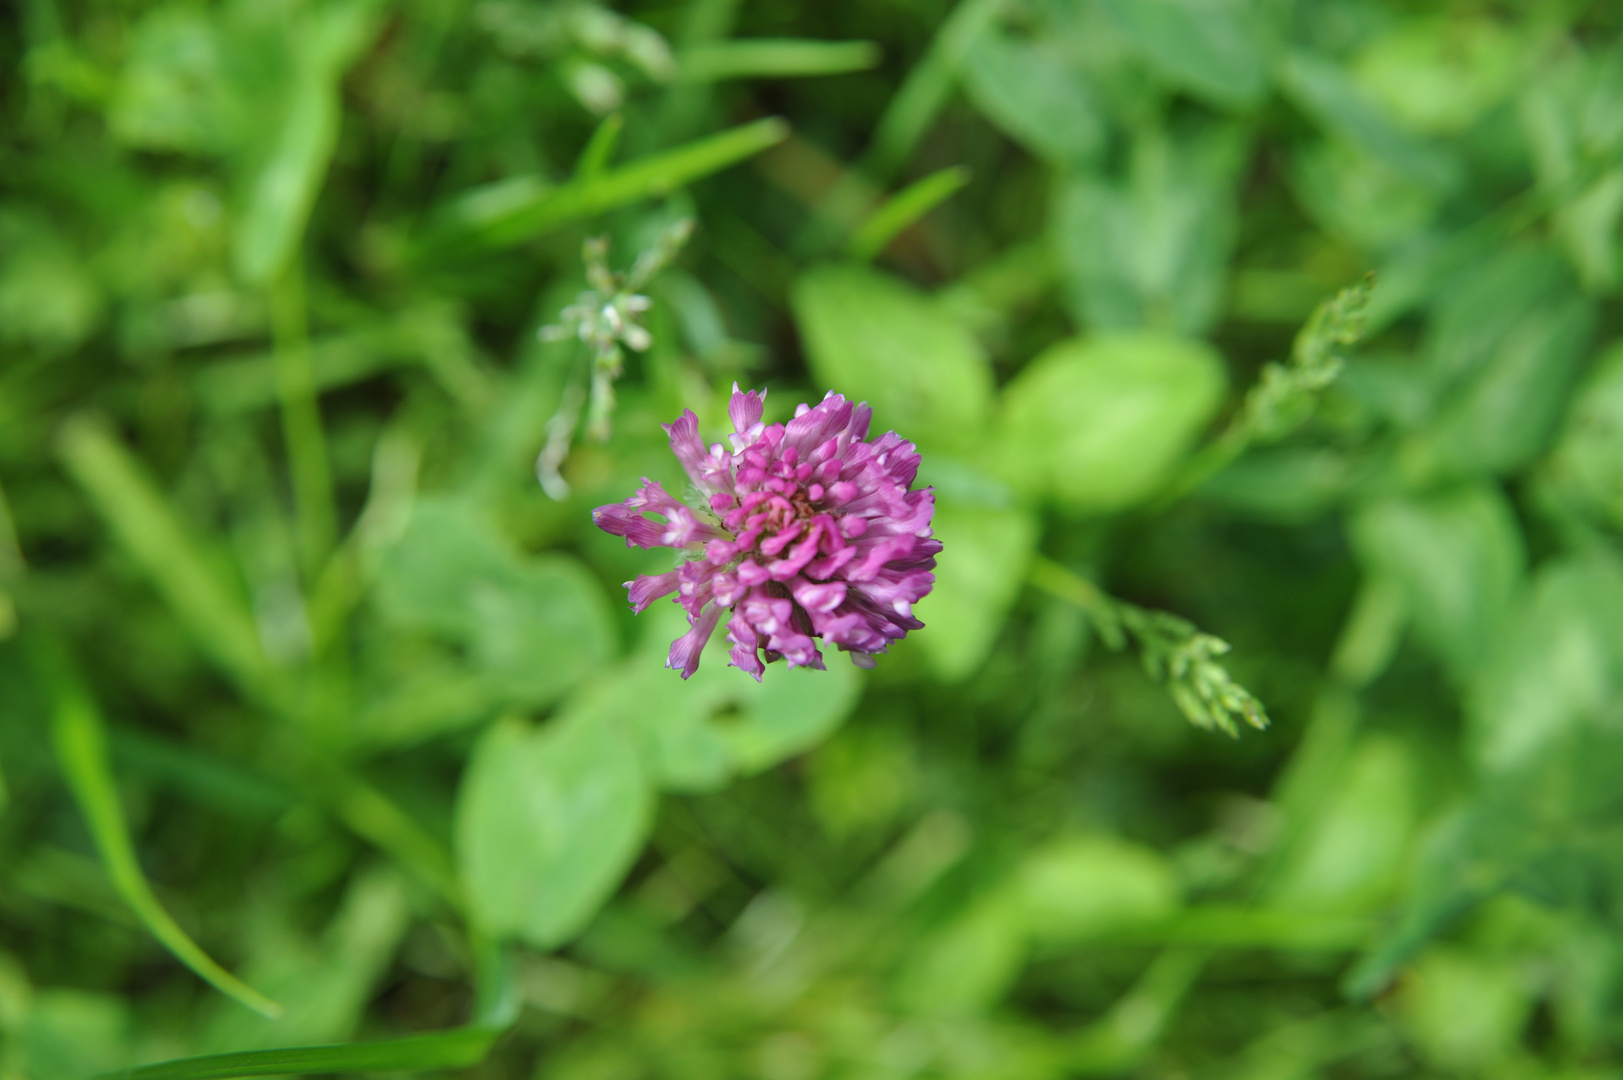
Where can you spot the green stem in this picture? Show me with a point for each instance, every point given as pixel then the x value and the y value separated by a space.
pixel 372 816
pixel 11 552
pixel 301 425
pixel 1056 580
pixel 1205 463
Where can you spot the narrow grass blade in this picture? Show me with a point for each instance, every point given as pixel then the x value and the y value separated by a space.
pixel 215 784
pixel 1127 1033
pixel 126 497
pixel 903 209
pixel 928 87
pixel 11 553
pixel 369 814
pixel 908 116
pixel 774 58
pixel 600 147
pixel 496 1011
pixel 228 388
pixel 302 433
pixel 458 1048
pixel 518 210
pixel 284 190
pixel 81 751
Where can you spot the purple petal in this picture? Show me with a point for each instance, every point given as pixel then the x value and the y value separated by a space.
pixel 745 409
pixel 817 425
pixel 746 642
pixel 650 587
pixel 686 650
pixel 814 596
pixel 621 520
pixel 707 468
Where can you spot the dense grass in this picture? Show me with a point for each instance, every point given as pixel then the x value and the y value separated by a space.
pixel 323 725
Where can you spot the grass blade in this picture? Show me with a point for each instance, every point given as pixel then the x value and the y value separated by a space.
pixel 81 751
pixel 600 147
pixel 928 87
pixel 514 211
pixel 903 209
pixel 371 815
pixel 453 1049
pixel 774 58
pixel 143 522
pixel 302 434
pixel 457 1048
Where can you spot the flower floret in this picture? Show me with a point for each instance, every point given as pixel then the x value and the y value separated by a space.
pixel 808 532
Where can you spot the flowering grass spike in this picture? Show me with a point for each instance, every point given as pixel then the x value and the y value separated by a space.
pixel 808 530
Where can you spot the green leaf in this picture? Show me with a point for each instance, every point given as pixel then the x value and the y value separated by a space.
pixel 67 1035
pixel 698 733
pixel 1439 75
pixel 986 553
pixel 1458 557
pixel 969 964
pixel 773 58
pixel 1286 485
pixel 1085 887
pixel 1465 1011
pixel 284 187
pixel 1098 423
pixel 81 751
pixel 1572 119
pixel 427 697
pixel 1031 91
pixel 1588 226
pixel 1151 249
pixel 1213 48
pixel 519 209
pixel 1545 829
pixel 426 577
pixel 534 626
pixel 1353 853
pixel 173 93
pixel 205 600
pixel 1353 194
pixel 683 741
pixel 1588 462
pixel 1559 666
pixel 1505 416
pixel 874 339
pixel 539 629
pixel 49 297
pixel 1468 857
pixel 788 712
pixel 1485 303
pixel 548 822
pixel 1323 91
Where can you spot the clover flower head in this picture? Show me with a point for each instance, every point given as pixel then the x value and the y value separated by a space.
pixel 806 530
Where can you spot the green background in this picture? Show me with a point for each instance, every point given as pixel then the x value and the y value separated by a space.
pixel 305 683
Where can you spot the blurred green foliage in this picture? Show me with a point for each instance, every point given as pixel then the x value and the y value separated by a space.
pixel 307 688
